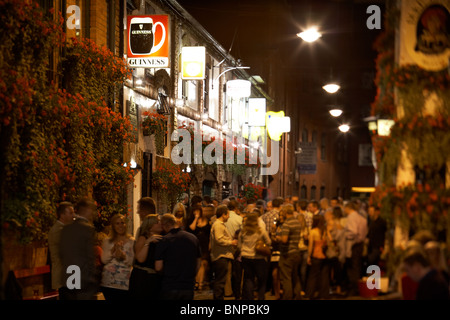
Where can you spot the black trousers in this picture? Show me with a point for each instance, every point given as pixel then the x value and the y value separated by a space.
pixel 318 279
pixel 220 267
pixel 254 269
pixel 354 268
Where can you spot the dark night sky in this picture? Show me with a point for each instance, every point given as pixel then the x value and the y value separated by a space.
pixel 263 27
pixel 345 41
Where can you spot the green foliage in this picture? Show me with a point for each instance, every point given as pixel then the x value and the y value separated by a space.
pixel 422 133
pixel 155 124
pixel 56 144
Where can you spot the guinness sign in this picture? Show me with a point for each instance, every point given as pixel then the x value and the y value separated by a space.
pixel 148 41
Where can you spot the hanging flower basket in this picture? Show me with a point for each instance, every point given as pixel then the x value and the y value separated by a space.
pixel 155 124
pixel 252 192
pixel 170 181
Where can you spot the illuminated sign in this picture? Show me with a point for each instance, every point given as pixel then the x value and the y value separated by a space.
pixel 148 41
pixel 193 63
pixel 384 127
pixel 277 124
pixel 239 88
pixel 257 112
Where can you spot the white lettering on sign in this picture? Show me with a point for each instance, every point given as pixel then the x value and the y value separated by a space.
pixel 74 280
pixel 73 21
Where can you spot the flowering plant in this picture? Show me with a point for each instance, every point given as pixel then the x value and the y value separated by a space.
pixel 155 123
pixel 252 191
pixel 420 206
pixel 239 154
pixel 423 135
pixel 57 143
pixel 170 181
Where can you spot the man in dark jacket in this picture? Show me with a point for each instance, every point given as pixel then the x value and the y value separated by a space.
pixel 78 255
pixel 432 285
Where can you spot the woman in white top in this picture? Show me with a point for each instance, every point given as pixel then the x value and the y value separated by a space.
pixel 254 264
pixel 117 256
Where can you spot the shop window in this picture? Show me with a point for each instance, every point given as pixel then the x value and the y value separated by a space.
pixel 313 192
pixel 191 93
pixel 303 192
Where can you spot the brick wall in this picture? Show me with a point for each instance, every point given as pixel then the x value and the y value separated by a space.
pixel 99 22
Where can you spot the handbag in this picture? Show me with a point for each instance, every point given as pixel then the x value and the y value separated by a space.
pixel 262 249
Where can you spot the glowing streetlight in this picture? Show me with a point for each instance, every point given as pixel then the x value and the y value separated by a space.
pixel 344 128
pixel 331 87
pixel 336 112
pixel 310 35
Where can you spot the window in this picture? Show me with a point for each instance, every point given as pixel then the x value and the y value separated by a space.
pixel 303 192
pixel 313 192
pixel 314 136
pixel 305 135
pixel 191 93
pixel 322 192
pixel 213 92
pixel 323 147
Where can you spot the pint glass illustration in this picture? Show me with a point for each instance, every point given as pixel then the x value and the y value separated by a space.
pixel 142 36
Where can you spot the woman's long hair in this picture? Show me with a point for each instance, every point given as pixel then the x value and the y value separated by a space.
pixel 147 224
pixel 319 222
pixel 251 225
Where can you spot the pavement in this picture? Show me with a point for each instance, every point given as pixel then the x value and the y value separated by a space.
pixel 207 294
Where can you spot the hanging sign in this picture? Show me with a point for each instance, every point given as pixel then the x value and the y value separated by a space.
pixel 148 41
pixel 257 112
pixel 277 124
pixel 239 88
pixel 193 63
pixel 425 33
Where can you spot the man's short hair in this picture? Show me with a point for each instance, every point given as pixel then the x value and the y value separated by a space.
pixel 302 203
pixel 288 209
pixel 84 204
pixel 349 205
pixel 232 205
pixel 415 255
pixel 168 219
pixel 207 199
pixel 62 208
pixel 221 210
pixel 277 202
pixel 148 205
pixel 315 204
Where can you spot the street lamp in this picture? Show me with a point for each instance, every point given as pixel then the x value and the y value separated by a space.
pixel 336 112
pixel 310 35
pixel 344 128
pixel 331 87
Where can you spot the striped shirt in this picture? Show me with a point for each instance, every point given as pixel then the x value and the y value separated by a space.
pixel 291 228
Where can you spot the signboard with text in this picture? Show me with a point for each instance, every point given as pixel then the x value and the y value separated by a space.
pixel 148 41
pixel 307 159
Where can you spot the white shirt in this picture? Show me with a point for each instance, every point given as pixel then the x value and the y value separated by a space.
pixel 234 223
pixel 356 227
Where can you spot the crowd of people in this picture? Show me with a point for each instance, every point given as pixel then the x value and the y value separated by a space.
pixel 294 249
